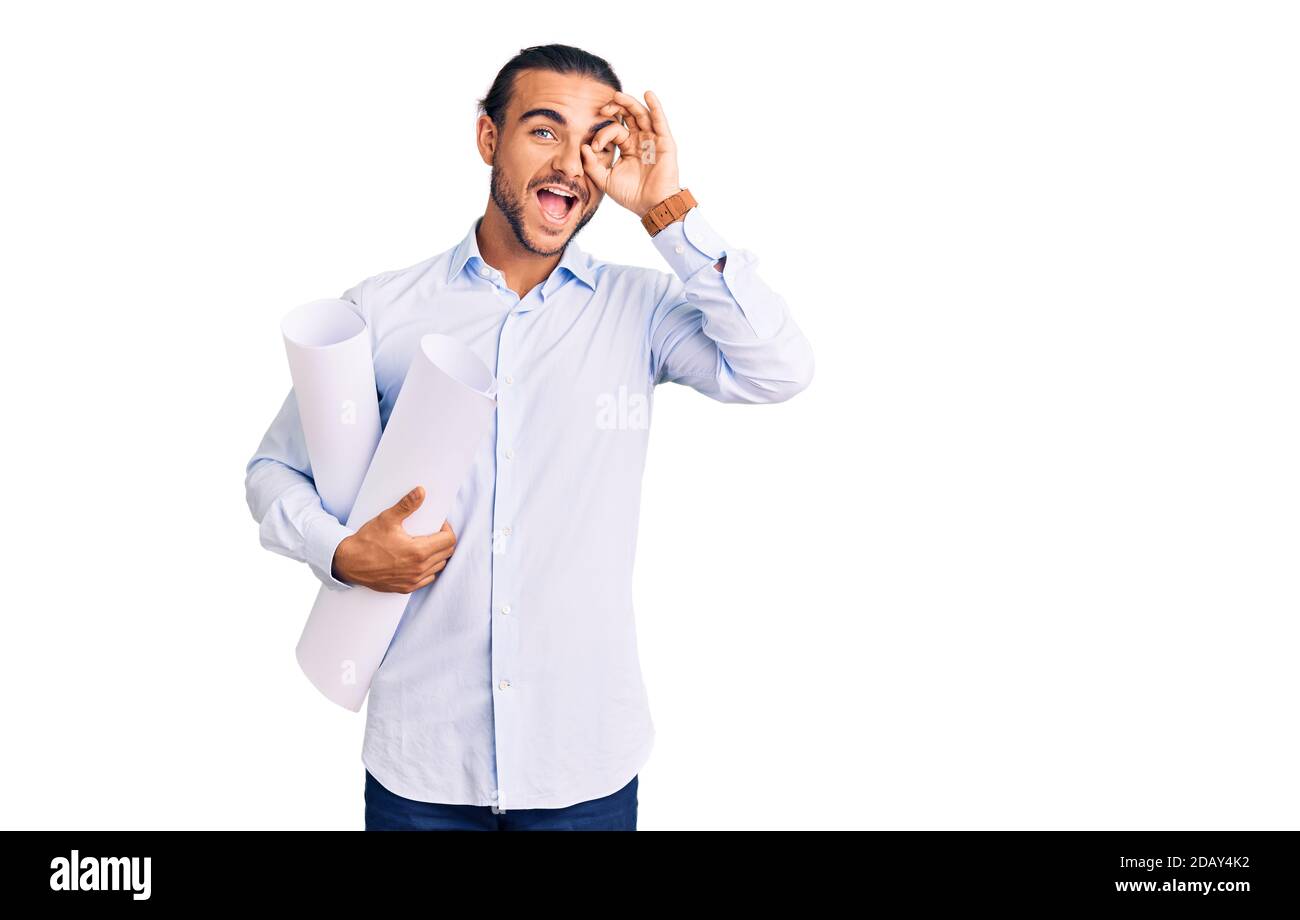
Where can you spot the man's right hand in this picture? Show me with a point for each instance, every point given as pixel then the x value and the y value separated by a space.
pixel 382 556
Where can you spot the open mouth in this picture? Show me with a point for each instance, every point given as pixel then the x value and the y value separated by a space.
pixel 556 203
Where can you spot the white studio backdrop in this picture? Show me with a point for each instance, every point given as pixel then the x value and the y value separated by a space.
pixel 1022 556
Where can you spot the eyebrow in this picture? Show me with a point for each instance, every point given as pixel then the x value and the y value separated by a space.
pixel 560 119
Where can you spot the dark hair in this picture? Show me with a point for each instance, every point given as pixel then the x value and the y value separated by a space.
pixel 564 59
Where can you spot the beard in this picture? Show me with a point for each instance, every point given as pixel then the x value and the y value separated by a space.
pixel 513 208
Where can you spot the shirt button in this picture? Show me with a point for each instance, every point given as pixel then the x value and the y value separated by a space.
pixel 504 684
pixel 506 531
pixel 679 249
pixel 510 454
pixel 510 378
pixel 483 273
pixel 505 608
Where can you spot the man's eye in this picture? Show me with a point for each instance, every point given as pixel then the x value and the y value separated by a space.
pixel 547 130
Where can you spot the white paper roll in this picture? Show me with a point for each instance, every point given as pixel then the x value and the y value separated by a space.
pixel 333 374
pixel 443 412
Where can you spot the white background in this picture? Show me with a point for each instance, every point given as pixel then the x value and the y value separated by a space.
pixel 1022 556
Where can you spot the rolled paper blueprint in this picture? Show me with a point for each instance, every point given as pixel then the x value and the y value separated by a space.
pixel 443 412
pixel 328 346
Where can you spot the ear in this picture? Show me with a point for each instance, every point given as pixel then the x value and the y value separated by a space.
pixel 486 136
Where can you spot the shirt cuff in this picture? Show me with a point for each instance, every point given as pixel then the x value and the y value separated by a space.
pixel 689 244
pixel 323 537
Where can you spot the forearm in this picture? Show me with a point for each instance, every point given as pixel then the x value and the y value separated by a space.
pixel 724 331
pixel 283 500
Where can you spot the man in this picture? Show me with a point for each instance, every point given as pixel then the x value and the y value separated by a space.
pixel 511 696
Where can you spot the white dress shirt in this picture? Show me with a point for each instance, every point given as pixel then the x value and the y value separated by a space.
pixel 513 679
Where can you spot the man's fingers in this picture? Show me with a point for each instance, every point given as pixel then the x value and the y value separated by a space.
pixel 607 134
pixel 618 135
pixel 444 539
pixel 639 111
pixel 434 568
pixel 429 576
pixel 658 119
pixel 592 165
pixel 438 555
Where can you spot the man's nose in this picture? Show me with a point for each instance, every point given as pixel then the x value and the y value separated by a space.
pixel 568 160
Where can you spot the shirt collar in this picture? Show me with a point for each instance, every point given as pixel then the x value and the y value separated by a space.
pixel 577 262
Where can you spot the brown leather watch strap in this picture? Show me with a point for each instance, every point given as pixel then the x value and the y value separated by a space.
pixel 672 208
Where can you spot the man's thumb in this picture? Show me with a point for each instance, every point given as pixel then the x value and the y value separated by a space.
pixel 592 165
pixel 407 504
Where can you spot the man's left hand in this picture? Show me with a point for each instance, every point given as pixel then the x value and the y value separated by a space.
pixel 646 171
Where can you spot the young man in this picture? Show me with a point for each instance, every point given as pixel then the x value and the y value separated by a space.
pixel 511 696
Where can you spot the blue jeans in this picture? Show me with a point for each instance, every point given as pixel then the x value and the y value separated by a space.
pixel 388 811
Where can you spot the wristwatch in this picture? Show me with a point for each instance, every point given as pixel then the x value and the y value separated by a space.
pixel 672 208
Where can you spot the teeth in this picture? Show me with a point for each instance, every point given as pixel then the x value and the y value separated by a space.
pixel 560 191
